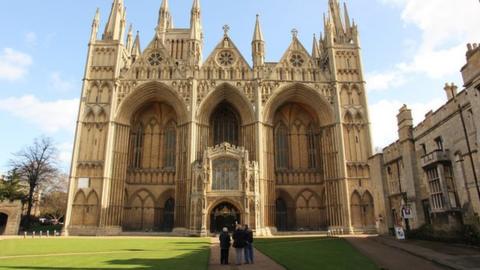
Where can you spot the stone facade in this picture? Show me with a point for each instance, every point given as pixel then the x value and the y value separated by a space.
pixel 10 217
pixel 167 141
pixel 433 168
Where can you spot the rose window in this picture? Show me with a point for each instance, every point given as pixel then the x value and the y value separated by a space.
pixel 155 59
pixel 225 58
pixel 297 60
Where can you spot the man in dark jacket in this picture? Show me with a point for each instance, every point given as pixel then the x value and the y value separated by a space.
pixel 248 245
pixel 224 246
pixel 239 243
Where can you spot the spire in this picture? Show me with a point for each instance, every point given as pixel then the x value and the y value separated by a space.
pixel 164 19
pixel 95 25
pixel 334 8
pixel 346 18
pixel 195 21
pixel 315 49
pixel 258 45
pixel 130 39
pixel 115 27
pixel 136 50
pixel 258 35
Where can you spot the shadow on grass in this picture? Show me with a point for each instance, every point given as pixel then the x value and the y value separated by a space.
pixel 197 257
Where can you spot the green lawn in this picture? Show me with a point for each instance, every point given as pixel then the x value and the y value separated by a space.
pixel 105 253
pixel 314 254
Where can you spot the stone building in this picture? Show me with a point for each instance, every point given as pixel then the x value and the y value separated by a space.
pixel 433 169
pixel 168 140
pixel 10 217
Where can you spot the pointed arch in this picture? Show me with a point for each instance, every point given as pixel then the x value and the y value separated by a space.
pixel 368 209
pixel 300 93
pixel 226 93
pixel 356 209
pixel 92 210
pixel 308 214
pixel 147 93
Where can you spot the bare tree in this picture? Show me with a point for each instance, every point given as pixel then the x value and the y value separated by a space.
pixel 37 166
pixel 54 197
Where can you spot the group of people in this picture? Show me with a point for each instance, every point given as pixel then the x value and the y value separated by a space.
pixel 242 242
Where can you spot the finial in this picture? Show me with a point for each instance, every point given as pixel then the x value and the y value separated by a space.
pixel 226 28
pixel 294 33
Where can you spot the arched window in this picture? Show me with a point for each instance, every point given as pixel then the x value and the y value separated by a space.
pixel 137 147
pixel 281 147
pixel 226 125
pixel 281 215
pixel 225 174
pixel 168 215
pixel 312 148
pixel 170 142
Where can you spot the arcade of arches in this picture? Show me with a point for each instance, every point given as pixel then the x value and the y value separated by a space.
pixel 154 189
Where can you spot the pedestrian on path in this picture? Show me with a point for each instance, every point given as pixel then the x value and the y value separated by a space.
pixel 239 244
pixel 248 245
pixel 224 246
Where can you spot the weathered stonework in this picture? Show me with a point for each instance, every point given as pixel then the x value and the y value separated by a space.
pixel 10 214
pixel 155 125
pixel 434 167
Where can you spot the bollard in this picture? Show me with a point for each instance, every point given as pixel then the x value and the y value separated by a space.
pixel 48 234
pixel 24 234
pixel 33 234
pixel 54 233
pixel 41 234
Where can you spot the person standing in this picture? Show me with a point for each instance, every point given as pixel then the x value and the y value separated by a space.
pixel 224 245
pixel 239 244
pixel 248 245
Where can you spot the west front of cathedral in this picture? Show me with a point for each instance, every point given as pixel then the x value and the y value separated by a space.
pixel 170 141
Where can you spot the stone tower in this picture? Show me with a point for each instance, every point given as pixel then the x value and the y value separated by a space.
pixel 168 141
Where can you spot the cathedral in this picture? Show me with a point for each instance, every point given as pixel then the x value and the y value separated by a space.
pixel 170 140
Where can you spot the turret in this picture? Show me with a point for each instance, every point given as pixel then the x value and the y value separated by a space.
pixel 405 124
pixel 165 21
pixel 196 34
pixel 129 39
pixel 258 45
pixel 136 50
pixel 315 48
pixel 95 25
pixel 115 28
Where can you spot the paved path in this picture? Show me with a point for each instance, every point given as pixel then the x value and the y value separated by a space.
pixel 262 262
pixel 387 257
pixel 449 255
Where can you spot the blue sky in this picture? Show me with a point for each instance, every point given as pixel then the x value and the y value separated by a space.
pixel 410 49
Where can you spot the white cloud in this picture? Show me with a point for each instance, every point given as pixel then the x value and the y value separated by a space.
pixel 65 152
pixel 14 64
pixel 49 116
pixel 377 81
pixel 60 84
pixel 31 39
pixel 383 115
pixel 446 27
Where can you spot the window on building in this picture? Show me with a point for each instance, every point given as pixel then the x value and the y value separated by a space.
pixel 138 145
pixel 170 143
pixel 451 187
pixel 312 149
pixel 226 125
pixel 439 143
pixel 423 149
pixel 436 194
pixel 281 147
pixel 225 174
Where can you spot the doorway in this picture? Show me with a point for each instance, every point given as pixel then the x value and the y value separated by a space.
pixel 224 215
pixel 3 223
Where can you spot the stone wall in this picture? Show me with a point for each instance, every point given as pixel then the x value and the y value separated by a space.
pixel 14 211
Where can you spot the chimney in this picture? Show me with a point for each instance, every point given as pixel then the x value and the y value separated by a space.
pixel 471 70
pixel 450 90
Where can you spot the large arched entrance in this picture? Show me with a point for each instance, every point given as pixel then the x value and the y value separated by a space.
pixel 3 222
pixel 224 215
